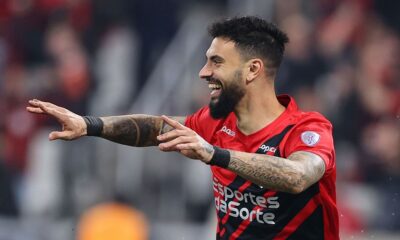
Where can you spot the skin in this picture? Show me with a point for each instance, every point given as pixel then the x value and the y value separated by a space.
pixel 138 130
pixel 293 174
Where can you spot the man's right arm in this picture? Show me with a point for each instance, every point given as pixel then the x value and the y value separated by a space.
pixel 137 130
pixel 134 130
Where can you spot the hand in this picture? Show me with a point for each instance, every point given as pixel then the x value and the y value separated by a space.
pixel 73 125
pixel 186 141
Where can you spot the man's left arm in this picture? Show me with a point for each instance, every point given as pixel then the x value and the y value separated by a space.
pixel 293 174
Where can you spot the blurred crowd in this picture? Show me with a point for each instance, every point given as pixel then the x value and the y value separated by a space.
pixel 342 60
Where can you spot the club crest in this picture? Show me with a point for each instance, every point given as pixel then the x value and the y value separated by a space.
pixel 310 138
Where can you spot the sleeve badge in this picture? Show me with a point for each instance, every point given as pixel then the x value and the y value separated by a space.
pixel 310 138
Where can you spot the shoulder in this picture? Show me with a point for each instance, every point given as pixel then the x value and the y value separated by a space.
pixel 203 113
pixel 202 122
pixel 297 117
pixel 312 132
pixel 310 119
pixel 309 128
pixel 200 116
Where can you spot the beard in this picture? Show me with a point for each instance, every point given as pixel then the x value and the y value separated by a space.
pixel 229 98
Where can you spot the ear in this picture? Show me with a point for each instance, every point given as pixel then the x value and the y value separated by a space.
pixel 255 67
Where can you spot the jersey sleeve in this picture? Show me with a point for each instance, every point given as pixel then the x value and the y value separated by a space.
pixel 313 134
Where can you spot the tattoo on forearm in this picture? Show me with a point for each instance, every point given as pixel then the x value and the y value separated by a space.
pixel 270 173
pixel 135 130
pixel 166 128
pixel 278 173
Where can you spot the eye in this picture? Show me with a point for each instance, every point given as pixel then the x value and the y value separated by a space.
pixel 217 62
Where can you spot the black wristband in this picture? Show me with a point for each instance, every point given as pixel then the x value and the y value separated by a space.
pixel 94 125
pixel 221 157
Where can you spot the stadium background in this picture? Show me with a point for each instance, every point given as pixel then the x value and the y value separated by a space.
pixel 123 56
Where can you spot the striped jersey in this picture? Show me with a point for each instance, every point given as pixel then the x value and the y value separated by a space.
pixel 246 211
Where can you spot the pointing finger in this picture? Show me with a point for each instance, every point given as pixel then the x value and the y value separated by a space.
pixel 173 123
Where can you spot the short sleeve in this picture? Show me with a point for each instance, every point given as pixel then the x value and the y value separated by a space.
pixel 313 134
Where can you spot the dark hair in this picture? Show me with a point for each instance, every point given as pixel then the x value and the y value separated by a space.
pixel 254 37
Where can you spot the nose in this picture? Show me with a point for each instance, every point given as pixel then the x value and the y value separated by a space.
pixel 205 72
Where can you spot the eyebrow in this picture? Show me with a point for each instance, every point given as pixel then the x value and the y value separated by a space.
pixel 216 58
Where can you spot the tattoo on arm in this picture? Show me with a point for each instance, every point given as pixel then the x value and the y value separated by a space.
pixel 312 164
pixel 135 130
pixel 294 174
pixel 208 147
pixel 166 128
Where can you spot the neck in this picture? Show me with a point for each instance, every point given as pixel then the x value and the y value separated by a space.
pixel 257 110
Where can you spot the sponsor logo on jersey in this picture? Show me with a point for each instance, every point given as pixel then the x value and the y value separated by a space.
pixel 266 148
pixel 310 138
pixel 244 205
pixel 228 131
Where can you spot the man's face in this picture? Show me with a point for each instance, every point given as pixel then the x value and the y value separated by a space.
pixel 224 74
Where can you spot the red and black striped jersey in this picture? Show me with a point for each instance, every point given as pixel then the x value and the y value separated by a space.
pixel 248 211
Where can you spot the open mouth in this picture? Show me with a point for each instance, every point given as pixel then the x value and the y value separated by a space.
pixel 215 87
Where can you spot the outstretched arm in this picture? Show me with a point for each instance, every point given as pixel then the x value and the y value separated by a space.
pixel 293 174
pixel 137 130
pixel 133 130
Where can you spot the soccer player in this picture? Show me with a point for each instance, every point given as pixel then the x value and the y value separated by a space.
pixel 273 165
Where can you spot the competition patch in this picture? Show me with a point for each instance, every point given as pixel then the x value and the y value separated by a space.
pixel 310 138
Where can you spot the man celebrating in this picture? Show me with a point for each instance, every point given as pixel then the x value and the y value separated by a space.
pixel 273 165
